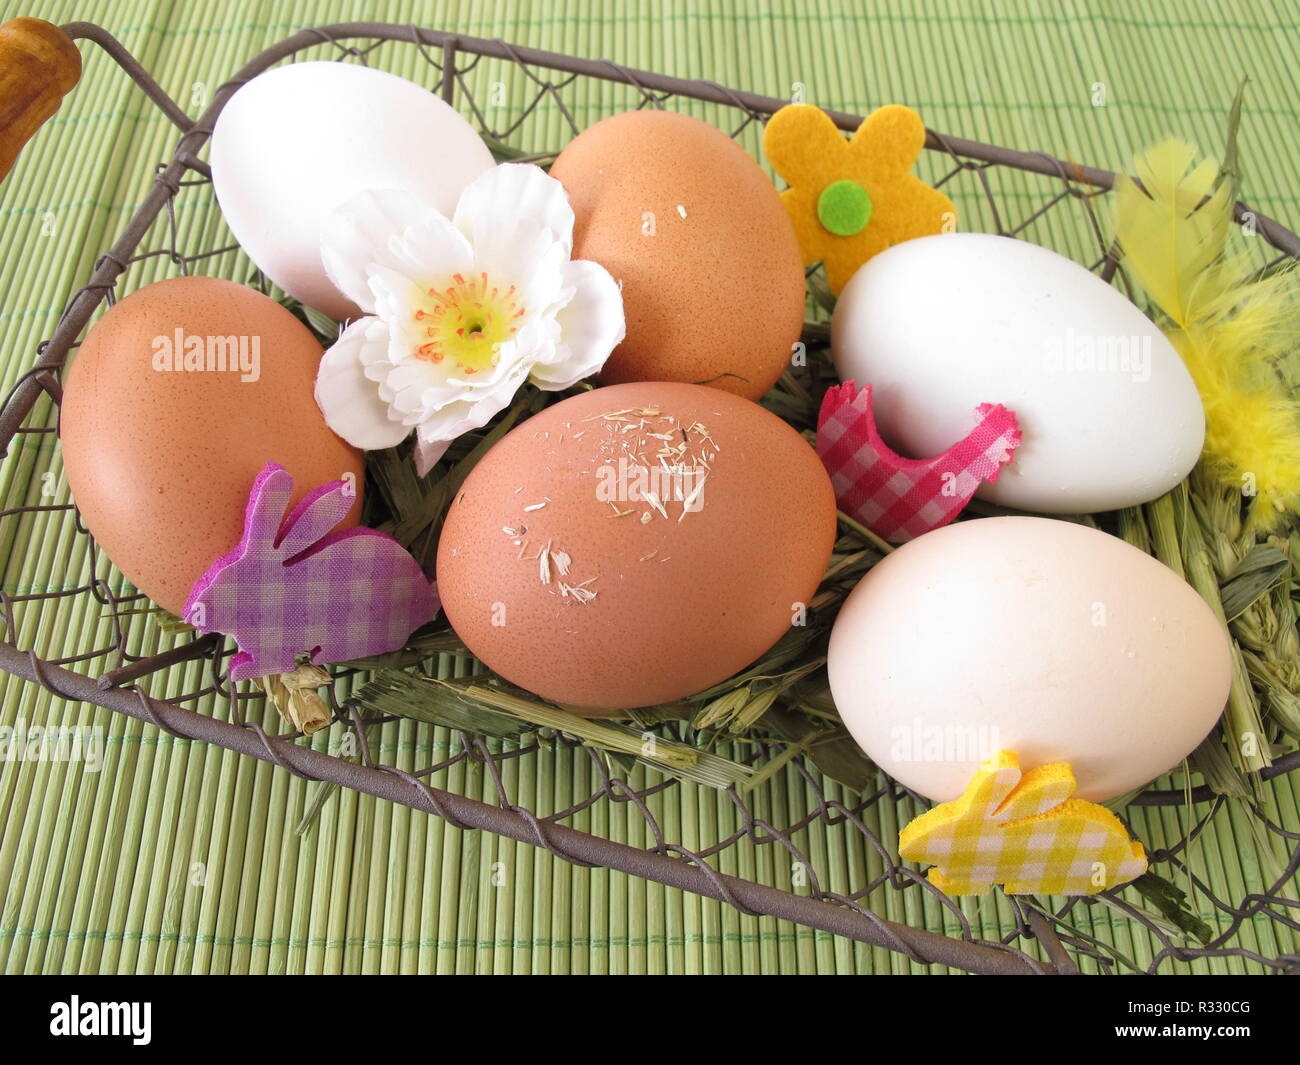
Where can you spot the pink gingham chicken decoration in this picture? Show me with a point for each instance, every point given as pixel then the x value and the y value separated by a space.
pixel 295 587
pixel 899 498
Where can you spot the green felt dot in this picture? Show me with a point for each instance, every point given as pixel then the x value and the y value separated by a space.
pixel 844 208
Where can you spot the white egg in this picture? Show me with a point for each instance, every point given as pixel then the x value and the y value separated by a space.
pixel 299 140
pixel 941 324
pixel 1039 636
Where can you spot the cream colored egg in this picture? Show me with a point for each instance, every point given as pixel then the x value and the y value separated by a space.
pixel 1039 636
pixel 299 140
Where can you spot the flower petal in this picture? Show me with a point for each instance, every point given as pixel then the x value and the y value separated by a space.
pixel 524 252
pixel 396 299
pixel 390 228
pixel 517 190
pixel 349 400
pixel 430 249
pixel 428 452
pixel 462 416
pixel 591 326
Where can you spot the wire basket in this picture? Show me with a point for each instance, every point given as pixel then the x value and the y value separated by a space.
pixel 762 842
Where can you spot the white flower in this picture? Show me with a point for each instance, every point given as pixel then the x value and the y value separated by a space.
pixel 460 312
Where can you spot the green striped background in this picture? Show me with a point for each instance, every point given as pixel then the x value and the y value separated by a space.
pixel 182 858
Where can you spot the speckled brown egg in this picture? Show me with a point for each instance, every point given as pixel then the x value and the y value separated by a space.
pixel 687 222
pixel 160 459
pixel 635 544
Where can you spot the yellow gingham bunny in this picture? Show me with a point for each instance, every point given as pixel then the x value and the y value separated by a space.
pixel 1023 832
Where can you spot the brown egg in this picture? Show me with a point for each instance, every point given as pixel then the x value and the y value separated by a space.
pixel 678 212
pixel 635 544
pixel 160 461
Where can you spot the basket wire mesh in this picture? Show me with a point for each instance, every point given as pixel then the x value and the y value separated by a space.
pixel 763 841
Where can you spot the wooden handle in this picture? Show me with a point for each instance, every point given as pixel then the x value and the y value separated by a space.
pixel 39 65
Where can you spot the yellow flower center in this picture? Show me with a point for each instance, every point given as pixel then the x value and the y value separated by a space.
pixel 467 320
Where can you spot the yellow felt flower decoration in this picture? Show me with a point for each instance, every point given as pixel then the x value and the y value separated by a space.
pixel 1025 833
pixel 850 199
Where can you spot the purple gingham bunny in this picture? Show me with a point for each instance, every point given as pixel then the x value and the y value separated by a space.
pixel 294 587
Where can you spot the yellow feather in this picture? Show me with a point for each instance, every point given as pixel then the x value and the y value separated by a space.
pixel 1171 240
pixel 1233 334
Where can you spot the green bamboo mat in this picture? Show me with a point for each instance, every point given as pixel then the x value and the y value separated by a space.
pixel 179 858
